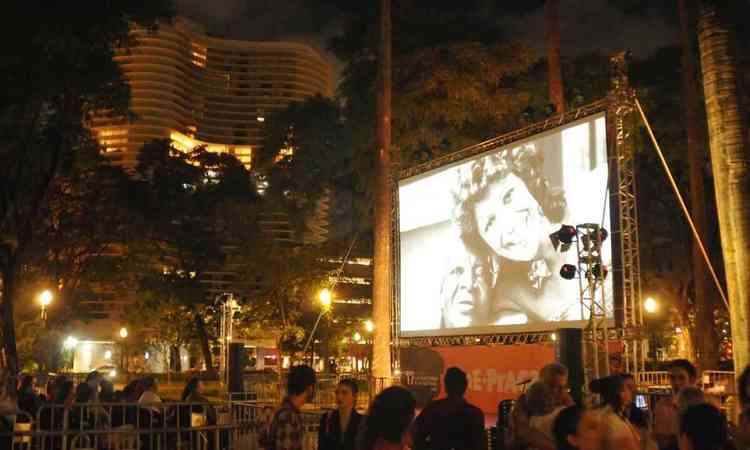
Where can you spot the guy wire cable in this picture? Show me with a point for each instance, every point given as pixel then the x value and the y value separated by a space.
pixel 676 190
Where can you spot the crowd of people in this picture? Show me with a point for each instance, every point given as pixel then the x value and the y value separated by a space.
pixel 544 417
pixel 94 404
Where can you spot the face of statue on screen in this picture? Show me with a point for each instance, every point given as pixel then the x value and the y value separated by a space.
pixel 464 290
pixel 509 219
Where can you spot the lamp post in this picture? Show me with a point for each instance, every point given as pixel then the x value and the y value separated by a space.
pixel 123 357
pixel 651 307
pixel 71 343
pixel 326 299
pixel 45 298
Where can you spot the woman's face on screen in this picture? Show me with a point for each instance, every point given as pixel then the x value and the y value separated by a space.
pixel 509 219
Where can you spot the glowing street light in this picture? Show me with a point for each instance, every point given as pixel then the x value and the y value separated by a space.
pixel 325 298
pixel 369 326
pixel 45 298
pixel 650 305
pixel 70 342
pixel 123 332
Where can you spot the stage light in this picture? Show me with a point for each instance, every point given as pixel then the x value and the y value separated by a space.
pixel 565 236
pixel 586 238
pixel 568 271
pixel 599 271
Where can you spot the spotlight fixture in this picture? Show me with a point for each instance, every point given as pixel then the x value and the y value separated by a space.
pixel 599 271
pixel 565 236
pixel 568 271
pixel 589 240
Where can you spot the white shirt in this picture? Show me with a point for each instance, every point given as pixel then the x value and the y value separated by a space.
pixel 615 429
pixel 544 423
pixel 150 398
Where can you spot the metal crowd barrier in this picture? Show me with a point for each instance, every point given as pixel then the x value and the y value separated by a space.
pixel 131 426
pixel 325 397
pixel 723 381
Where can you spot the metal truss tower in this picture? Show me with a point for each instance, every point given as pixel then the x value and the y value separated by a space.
pixel 591 276
pixel 622 166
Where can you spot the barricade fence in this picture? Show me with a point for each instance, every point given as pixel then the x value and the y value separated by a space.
pixel 711 380
pixel 268 391
pixel 161 426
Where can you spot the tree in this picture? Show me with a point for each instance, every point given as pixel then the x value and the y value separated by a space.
pixel 730 154
pixel 704 296
pixel 382 281
pixel 286 294
pixel 307 150
pixel 181 196
pixel 58 69
pixel 706 337
pixel 552 33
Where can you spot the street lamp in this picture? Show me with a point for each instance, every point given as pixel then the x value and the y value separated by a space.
pixel 45 298
pixel 369 326
pixel 650 305
pixel 326 299
pixel 123 356
pixel 70 342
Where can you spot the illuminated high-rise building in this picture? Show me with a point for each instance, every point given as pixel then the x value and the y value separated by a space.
pixel 196 89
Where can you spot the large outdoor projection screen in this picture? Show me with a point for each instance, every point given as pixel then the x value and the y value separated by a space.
pixel 475 251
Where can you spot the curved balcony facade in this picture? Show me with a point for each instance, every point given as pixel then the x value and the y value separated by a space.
pixel 210 90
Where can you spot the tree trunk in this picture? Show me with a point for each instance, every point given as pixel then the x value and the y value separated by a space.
pixel 381 289
pixel 729 159
pixel 552 32
pixel 704 334
pixel 9 332
pixel 205 345
pixel 176 359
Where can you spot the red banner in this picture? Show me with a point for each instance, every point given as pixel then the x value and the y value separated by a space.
pixel 494 372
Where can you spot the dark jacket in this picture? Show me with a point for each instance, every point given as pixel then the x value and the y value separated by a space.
pixel 450 423
pixel 330 435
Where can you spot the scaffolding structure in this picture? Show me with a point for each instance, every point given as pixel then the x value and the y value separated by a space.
pixel 627 327
pixel 622 166
pixel 591 275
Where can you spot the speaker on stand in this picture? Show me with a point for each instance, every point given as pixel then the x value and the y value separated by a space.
pixel 569 351
pixel 237 362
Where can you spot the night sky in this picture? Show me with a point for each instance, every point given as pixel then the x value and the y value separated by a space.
pixel 585 25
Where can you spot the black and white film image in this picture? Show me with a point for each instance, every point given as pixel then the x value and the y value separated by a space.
pixel 475 247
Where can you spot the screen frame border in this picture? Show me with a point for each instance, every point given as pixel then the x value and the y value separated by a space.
pixel 538 129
